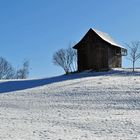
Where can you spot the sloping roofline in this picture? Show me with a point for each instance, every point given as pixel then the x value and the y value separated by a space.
pixel 106 37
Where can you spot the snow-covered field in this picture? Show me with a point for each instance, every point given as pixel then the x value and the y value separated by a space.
pixel 104 106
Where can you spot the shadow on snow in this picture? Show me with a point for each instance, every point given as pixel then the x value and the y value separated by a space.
pixel 15 85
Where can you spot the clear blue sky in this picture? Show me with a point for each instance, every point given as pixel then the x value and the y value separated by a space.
pixel 35 29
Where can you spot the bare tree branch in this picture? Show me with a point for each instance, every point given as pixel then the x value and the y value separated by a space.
pixel 6 69
pixel 23 72
pixel 66 59
pixel 134 48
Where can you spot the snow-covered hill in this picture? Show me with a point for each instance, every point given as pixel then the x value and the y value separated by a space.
pixel 86 106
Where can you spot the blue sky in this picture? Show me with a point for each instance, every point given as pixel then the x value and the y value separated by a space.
pixel 35 29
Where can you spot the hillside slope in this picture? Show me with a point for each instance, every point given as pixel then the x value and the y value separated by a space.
pixel 103 107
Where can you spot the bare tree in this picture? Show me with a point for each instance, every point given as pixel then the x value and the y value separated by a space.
pixel 134 48
pixel 23 72
pixel 6 69
pixel 65 58
pixel 73 58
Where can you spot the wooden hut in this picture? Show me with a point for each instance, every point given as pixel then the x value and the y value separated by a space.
pixel 98 51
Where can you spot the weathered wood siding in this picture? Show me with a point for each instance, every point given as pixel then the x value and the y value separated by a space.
pixel 115 58
pixel 97 54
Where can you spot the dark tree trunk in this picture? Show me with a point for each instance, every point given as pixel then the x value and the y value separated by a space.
pixel 133 66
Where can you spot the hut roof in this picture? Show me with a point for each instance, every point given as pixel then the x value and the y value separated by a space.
pixel 106 37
